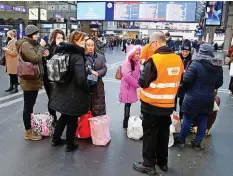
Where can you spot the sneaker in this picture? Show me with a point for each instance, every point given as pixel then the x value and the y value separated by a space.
pixel 140 167
pixel 31 135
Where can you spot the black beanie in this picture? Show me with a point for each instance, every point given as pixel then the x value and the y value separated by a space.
pixel 186 45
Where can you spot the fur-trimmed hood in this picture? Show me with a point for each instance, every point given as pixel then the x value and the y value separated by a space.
pixel 132 50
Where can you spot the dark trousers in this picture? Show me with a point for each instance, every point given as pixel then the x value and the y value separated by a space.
pixel 231 85
pixel 70 122
pixel 124 49
pixel 48 89
pixel 156 131
pixel 14 79
pixel 29 102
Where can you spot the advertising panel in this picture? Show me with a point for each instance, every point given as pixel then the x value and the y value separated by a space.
pixel 91 10
pixel 214 13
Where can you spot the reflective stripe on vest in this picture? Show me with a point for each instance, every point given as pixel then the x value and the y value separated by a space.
pixel 164 85
pixel 158 97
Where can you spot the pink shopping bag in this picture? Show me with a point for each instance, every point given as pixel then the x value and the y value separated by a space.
pixel 100 133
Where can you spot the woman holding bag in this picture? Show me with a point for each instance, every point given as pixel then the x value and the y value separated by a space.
pixel 96 67
pixel 129 82
pixel 29 51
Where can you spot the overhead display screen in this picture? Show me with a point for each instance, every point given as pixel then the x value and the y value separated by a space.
pixel 91 10
pixel 214 13
pixel 178 11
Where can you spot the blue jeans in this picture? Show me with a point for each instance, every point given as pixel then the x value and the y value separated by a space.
pixel 187 122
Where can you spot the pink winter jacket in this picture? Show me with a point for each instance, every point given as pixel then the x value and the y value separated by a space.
pixel 129 81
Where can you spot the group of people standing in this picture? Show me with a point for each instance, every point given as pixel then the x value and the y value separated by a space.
pixel 73 99
pixel 165 78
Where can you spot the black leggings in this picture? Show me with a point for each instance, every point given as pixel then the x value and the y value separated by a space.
pixel 29 102
pixel 14 79
pixel 70 122
pixel 48 89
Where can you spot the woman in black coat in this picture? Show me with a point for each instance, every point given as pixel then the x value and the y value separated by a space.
pixel 204 75
pixel 96 67
pixel 71 99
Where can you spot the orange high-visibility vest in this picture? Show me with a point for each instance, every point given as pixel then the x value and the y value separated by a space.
pixel 163 90
pixel 146 53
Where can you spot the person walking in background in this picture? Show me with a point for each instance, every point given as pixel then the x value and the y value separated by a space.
pixel 129 82
pixel 169 42
pixel 204 75
pixel 96 66
pixel 72 98
pixel 11 55
pixel 100 45
pixel 159 82
pixel 56 37
pixel 30 52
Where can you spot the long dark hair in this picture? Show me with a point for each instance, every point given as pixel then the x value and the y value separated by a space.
pixel 132 63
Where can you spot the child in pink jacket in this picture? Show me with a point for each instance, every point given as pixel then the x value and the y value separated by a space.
pixel 129 82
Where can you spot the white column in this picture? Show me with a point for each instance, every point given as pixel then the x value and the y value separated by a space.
pixel 229 28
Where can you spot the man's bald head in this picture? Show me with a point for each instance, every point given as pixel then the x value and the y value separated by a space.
pixel 159 37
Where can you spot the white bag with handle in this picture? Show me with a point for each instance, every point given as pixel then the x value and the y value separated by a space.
pixel 135 130
pixel 231 69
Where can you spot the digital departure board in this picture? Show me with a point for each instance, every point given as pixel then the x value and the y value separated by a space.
pixel 177 11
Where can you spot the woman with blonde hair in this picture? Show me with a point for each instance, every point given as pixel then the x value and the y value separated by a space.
pixel 72 98
pixel 11 61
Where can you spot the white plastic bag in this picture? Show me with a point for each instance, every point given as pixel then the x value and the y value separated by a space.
pixel 176 121
pixel 135 130
pixel 216 107
pixel 171 137
pixel 231 69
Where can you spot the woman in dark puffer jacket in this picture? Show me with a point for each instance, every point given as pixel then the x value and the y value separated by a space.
pixel 204 75
pixel 72 98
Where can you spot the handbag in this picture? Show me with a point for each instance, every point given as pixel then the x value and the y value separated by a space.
pixel 2 58
pixel 27 70
pixel 84 130
pixel 118 75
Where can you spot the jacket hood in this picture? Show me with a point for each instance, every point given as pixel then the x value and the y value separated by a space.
pixel 53 33
pixel 69 48
pixel 209 66
pixel 215 60
pixel 132 50
pixel 25 39
pixel 164 50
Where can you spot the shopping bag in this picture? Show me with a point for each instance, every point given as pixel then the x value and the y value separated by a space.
pixel 100 133
pixel 135 130
pixel 176 121
pixel 171 137
pixel 231 69
pixel 42 124
pixel 83 130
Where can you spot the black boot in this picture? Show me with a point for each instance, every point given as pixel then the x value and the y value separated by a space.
pixel 126 115
pixel 10 88
pixel 15 89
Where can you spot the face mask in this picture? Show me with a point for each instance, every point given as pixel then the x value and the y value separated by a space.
pixel 58 42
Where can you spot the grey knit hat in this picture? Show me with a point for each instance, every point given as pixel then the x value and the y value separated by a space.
pixel 31 29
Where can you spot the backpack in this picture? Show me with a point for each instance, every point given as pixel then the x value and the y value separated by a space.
pixel 57 68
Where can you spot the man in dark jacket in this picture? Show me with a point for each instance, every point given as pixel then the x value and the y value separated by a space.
pixel 170 43
pixel 100 45
pixel 159 82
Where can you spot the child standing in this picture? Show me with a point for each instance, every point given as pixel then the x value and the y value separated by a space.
pixel 129 82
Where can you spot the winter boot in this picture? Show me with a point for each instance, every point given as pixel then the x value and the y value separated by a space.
pixel 126 116
pixel 15 89
pixel 10 88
